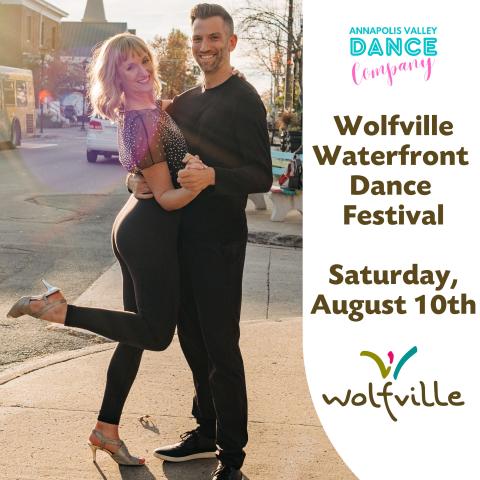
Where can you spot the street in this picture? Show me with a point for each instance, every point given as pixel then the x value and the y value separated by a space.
pixel 55 222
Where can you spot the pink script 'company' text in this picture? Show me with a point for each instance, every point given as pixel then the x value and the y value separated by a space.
pixel 361 74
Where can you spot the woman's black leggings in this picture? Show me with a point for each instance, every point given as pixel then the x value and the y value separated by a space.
pixel 144 241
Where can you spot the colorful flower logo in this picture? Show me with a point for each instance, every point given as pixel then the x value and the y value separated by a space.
pixel 384 370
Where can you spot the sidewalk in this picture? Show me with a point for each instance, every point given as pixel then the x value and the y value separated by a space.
pixel 284 233
pixel 48 407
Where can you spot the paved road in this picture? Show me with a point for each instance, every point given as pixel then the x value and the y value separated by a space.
pixel 55 221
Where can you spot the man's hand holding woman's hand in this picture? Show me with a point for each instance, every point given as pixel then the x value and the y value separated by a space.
pixel 196 176
pixel 193 162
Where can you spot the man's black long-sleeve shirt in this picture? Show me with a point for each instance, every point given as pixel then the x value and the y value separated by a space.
pixel 226 127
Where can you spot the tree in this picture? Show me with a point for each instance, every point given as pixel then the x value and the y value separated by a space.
pixel 175 63
pixel 276 40
pixel 57 76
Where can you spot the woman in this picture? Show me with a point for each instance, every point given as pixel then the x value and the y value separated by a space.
pixel 124 87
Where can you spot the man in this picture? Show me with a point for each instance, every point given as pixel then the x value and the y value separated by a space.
pixel 224 123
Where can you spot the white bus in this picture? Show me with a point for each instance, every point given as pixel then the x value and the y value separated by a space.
pixel 17 105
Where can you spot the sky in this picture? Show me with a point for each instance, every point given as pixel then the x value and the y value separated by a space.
pixel 158 17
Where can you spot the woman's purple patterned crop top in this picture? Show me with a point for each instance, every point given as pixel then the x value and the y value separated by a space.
pixel 150 136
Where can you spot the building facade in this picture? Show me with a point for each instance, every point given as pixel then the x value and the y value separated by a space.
pixel 29 28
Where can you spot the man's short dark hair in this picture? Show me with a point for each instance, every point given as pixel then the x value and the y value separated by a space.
pixel 208 10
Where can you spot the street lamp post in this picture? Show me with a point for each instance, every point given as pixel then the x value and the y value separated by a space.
pixel 84 91
pixel 43 51
pixel 273 110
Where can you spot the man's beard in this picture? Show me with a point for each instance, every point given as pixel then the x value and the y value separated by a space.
pixel 210 67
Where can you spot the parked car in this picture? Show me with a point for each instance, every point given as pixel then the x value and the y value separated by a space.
pixel 101 139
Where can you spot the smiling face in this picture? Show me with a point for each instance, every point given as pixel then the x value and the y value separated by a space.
pixel 136 74
pixel 212 43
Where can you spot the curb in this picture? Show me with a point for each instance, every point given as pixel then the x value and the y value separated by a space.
pixel 276 239
pixel 60 357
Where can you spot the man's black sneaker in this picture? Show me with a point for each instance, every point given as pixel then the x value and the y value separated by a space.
pixel 192 446
pixel 225 472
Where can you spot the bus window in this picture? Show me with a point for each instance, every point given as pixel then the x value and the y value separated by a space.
pixel 21 93
pixel 9 93
pixel 31 95
pixel 4 122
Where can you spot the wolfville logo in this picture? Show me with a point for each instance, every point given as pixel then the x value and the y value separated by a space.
pixel 420 395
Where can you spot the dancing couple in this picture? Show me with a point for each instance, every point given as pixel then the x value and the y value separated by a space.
pixel 181 237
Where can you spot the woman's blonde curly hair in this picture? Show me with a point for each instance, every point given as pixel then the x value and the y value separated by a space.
pixel 105 92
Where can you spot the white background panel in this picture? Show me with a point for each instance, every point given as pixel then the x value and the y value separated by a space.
pixel 438 442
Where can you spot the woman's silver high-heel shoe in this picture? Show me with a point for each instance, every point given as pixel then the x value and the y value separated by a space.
pixel 23 307
pixel 121 456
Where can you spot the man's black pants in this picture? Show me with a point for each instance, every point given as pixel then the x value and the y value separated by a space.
pixel 209 332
